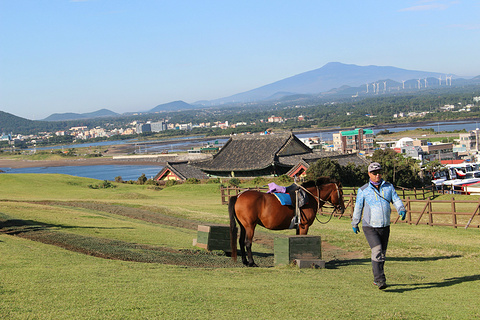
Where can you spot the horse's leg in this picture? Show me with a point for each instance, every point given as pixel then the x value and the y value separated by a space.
pixel 241 241
pixel 248 244
pixel 302 226
pixel 302 230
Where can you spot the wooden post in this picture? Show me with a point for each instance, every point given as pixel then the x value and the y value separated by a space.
pixel 454 215
pixel 423 211
pixel 409 211
pixel 430 214
pixel 473 215
pixel 353 205
pixel 415 192
pixel 222 193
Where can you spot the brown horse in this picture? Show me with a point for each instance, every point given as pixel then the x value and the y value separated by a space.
pixel 253 207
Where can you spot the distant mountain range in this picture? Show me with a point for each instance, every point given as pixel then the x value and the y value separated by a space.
pixel 331 76
pixel 77 116
pixel 172 106
pixel 332 79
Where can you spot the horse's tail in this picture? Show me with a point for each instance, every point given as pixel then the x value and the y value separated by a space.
pixel 233 226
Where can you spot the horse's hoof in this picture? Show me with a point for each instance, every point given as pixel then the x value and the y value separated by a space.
pixel 253 265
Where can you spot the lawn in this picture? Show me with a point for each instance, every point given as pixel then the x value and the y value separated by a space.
pixel 433 272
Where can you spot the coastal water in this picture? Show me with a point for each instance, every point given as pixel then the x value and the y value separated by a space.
pixel 171 145
pixel 100 172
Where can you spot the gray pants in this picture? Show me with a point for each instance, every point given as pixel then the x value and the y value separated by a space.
pixel 378 240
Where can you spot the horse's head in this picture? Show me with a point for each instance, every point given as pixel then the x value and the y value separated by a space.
pixel 336 197
pixel 328 191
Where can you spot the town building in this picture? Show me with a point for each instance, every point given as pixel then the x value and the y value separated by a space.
pixel 470 140
pixel 352 141
pixel 151 127
pixel 439 151
pixel 275 119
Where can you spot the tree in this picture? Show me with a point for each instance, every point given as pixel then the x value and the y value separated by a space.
pixel 353 175
pixel 325 167
pixel 398 169
pixel 142 179
pixel 431 168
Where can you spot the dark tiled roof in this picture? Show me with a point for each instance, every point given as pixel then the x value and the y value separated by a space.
pixel 183 170
pixel 254 152
pixel 292 160
pixel 342 159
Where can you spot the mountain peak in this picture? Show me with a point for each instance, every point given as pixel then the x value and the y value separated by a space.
pixel 172 106
pixel 332 75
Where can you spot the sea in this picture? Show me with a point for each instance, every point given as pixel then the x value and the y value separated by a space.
pixel 132 172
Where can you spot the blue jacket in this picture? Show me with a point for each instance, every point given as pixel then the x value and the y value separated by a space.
pixel 375 205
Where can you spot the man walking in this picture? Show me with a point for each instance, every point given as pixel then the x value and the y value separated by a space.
pixel 373 202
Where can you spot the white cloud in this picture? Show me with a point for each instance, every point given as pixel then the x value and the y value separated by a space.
pixel 429 6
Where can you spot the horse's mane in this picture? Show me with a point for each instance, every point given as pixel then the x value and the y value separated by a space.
pixel 320 181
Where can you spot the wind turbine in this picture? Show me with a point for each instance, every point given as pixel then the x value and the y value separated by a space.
pixel 440 81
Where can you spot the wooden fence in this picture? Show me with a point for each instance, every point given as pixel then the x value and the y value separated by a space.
pixel 421 193
pixel 420 210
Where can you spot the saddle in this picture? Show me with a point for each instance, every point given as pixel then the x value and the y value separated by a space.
pixel 296 195
pixel 292 195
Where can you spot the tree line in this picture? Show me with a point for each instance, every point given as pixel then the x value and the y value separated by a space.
pixel 401 171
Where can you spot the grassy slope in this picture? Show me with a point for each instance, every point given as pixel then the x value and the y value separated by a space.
pixel 433 271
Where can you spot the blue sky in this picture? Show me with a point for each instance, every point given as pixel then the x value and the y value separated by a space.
pixel 79 56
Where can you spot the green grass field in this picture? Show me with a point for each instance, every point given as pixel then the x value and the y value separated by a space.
pixel 433 272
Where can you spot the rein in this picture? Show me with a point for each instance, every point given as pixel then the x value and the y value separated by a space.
pixel 324 201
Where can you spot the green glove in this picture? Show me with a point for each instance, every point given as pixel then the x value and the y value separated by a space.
pixel 403 214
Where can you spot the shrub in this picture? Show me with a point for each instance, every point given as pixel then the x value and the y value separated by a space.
pixel 284 179
pixel 214 180
pixel 142 179
pixel 170 183
pixel 192 181
pixel 119 179
pixel 104 185
pixel 234 182
pixel 259 181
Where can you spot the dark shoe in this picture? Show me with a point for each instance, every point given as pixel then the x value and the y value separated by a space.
pixel 381 286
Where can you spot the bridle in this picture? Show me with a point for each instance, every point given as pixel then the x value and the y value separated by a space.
pixel 335 207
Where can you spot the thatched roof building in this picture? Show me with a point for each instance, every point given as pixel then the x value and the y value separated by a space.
pixel 181 170
pixel 255 155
